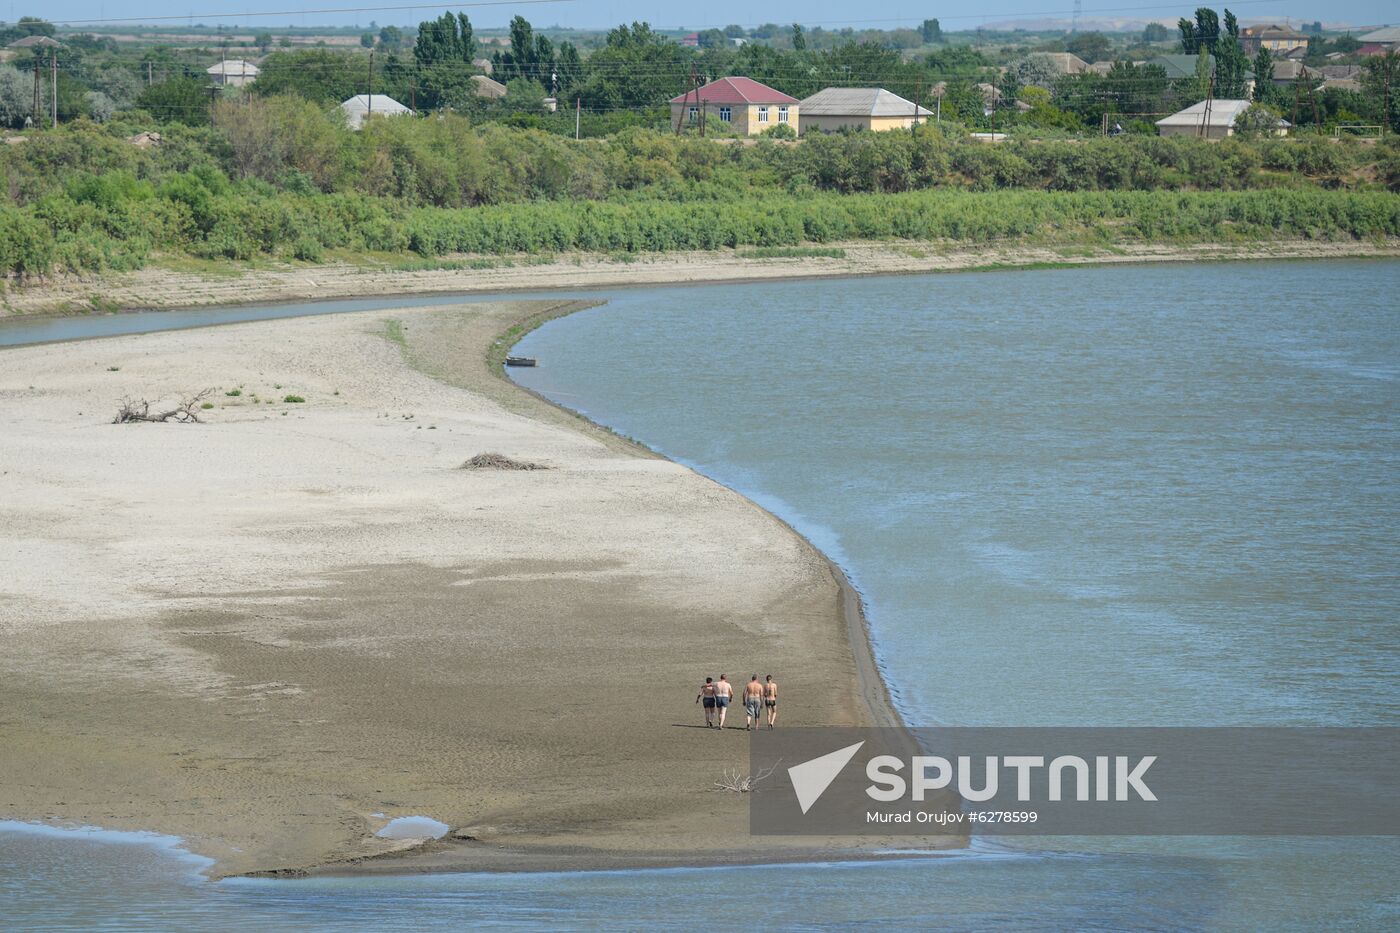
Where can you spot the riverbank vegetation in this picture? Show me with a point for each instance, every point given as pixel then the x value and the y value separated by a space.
pixel 282 178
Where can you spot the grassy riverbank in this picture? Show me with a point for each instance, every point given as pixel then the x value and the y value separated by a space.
pixel 283 181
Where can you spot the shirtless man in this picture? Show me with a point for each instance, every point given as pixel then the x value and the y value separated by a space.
pixel 706 696
pixel 753 703
pixel 724 692
pixel 770 699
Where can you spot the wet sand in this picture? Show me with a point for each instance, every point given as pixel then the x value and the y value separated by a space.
pixel 272 632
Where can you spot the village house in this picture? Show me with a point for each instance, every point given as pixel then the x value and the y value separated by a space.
pixel 483 65
pixel 232 72
pixel 362 106
pixel 1275 38
pixel 1380 41
pixel 489 88
pixel 737 105
pixel 860 108
pixel 1211 119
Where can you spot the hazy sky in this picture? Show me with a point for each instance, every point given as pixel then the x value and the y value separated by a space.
pixel 828 13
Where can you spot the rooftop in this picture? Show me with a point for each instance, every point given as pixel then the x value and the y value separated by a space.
pixel 1222 113
pixel 1384 34
pixel 859 101
pixel 738 91
pixel 233 66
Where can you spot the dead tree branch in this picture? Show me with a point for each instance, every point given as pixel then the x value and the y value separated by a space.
pixel 736 782
pixel 187 412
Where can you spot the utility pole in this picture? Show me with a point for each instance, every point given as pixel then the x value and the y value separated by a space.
pixel 685 101
pixel 1205 112
pixel 578 116
pixel 149 79
pixel 38 116
pixel 369 98
pixel 53 84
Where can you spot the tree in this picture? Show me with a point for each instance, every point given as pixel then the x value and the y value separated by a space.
pixel 367 40
pixel 1259 120
pixel 1090 46
pixel 315 74
pixel 1156 32
pixel 447 39
pixel 1201 83
pixel 179 100
pixel 713 39
pixel 1381 79
pixel 263 41
pixel 16 96
pixel 1190 43
pixel 799 39
pixel 391 37
pixel 931 32
pixel 1207 28
pixel 734 32
pixel 1230 61
pixel 1263 74
pixel 1037 68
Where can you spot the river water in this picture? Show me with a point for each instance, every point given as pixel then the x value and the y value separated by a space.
pixel 1101 496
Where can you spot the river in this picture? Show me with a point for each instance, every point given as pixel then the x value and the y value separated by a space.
pixel 1152 495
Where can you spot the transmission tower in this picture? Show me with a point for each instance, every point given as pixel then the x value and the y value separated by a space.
pixel 1078 8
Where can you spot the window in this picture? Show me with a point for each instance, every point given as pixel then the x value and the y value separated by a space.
pixel 762 114
pixel 725 114
pixel 782 114
pixel 694 114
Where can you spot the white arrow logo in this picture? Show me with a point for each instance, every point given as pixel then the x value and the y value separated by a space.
pixel 811 778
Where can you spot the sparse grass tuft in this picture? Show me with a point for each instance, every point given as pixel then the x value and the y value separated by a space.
pixel 294 399
pixel 234 393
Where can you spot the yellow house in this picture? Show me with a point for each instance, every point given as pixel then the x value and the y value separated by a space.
pixel 860 108
pixel 1271 37
pixel 735 105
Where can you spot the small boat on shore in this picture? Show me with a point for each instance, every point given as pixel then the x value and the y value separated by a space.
pixel 521 361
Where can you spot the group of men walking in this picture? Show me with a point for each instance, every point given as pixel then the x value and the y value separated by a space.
pixel 760 699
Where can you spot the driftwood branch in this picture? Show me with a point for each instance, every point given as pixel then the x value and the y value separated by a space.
pixel 186 412
pixel 736 782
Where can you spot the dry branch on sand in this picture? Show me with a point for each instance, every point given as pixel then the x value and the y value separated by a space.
pixel 489 461
pixel 736 782
pixel 187 411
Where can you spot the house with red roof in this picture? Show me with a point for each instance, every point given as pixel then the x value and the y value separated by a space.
pixel 735 105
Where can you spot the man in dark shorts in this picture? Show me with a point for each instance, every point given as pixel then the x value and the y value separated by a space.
pixel 706 696
pixel 770 699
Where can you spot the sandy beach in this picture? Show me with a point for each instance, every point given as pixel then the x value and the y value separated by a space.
pixel 181 286
pixel 273 631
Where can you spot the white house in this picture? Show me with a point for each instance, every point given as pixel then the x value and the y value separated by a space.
pixel 1212 119
pixel 232 72
pixel 869 108
pixel 362 106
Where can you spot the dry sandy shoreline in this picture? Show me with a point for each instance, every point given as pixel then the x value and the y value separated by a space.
pixel 156 287
pixel 272 632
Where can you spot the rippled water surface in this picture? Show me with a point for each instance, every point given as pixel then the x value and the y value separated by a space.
pixel 1129 496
